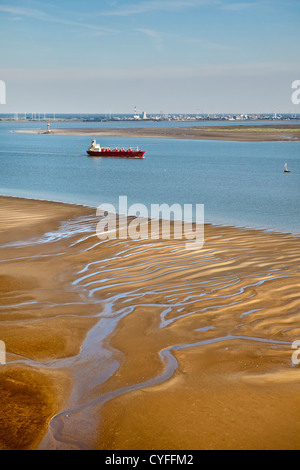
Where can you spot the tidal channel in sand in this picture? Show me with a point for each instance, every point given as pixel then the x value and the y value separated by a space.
pixel 142 344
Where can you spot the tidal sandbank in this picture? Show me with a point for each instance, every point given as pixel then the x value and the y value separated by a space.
pixel 143 344
pixel 242 133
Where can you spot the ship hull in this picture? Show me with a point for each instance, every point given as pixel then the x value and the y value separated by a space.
pixel 116 153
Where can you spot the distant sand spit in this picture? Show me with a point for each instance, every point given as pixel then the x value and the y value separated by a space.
pixel 124 344
pixel 242 133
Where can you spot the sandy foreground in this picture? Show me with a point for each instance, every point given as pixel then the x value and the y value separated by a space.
pixel 124 344
pixel 242 133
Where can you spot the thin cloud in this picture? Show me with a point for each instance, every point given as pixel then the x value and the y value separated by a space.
pixel 238 6
pixel 155 36
pixel 259 69
pixel 28 12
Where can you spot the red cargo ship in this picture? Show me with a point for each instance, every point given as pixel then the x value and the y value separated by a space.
pixel 96 151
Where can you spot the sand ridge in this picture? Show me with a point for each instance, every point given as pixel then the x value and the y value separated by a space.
pixel 242 133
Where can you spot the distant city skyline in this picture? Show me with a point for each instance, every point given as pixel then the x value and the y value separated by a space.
pixel 172 56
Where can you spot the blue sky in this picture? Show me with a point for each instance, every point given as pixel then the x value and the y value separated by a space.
pixel 106 56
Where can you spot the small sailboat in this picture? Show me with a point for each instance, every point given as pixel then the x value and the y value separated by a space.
pixel 286 169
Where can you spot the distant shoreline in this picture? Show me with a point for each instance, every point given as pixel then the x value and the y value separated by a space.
pixel 140 325
pixel 241 133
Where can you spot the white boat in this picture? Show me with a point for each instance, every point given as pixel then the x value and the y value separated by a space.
pixel 286 169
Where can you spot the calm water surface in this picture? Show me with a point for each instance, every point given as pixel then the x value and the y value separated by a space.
pixel 239 183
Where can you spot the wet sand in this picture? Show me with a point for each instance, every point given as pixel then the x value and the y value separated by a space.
pixel 142 344
pixel 242 133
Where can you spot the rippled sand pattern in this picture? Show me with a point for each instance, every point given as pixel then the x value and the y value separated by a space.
pixel 147 345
